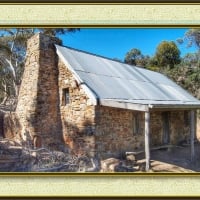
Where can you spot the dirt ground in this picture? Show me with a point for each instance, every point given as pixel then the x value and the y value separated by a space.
pixel 174 159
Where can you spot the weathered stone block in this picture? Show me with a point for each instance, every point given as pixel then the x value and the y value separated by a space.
pixel 109 164
pixel 36 105
pixel 12 126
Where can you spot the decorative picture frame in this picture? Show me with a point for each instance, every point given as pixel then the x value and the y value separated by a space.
pixel 102 14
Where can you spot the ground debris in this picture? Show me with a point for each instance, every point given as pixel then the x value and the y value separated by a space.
pixel 116 165
pixel 15 157
pixel 18 158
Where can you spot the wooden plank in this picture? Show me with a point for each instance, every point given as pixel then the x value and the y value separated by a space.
pixel 153 149
pixel 166 128
pixel 147 148
pixel 125 105
pixel 192 133
pixel 174 107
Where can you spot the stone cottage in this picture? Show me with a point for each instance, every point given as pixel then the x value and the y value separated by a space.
pixel 96 105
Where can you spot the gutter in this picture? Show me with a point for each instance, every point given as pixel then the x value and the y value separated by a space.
pixel 168 106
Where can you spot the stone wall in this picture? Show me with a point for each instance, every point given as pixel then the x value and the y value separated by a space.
pixel 78 117
pixel 156 128
pixel 178 127
pixel 38 102
pixel 109 131
pixel 11 126
pixel 114 130
pixel 43 115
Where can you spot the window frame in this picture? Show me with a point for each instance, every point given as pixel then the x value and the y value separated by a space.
pixel 65 96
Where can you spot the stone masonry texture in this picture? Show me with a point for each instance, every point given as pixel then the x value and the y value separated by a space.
pixel 108 131
pixel 78 117
pixel 44 118
pixel 115 136
pixel 38 103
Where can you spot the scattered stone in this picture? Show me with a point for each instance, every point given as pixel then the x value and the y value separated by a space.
pixel 109 164
pixel 131 157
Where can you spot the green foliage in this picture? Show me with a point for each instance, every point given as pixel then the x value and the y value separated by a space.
pixel 191 59
pixel 12 56
pixel 153 64
pixel 153 68
pixel 191 37
pixel 136 58
pixel 187 77
pixel 184 71
pixel 167 54
pixel 58 31
pixel 133 56
pixel 144 61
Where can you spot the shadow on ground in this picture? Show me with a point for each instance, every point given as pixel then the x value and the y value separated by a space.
pixel 173 159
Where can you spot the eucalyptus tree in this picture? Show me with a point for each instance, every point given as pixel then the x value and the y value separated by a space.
pixel 191 38
pixel 133 56
pixel 12 56
pixel 167 54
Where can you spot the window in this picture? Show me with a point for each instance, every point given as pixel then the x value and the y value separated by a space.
pixel 65 97
pixel 136 123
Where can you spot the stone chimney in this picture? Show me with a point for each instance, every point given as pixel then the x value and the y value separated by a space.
pixel 38 101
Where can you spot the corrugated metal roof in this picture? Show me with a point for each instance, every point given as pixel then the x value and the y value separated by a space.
pixel 113 81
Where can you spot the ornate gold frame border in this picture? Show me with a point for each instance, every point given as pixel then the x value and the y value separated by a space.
pixel 124 15
pixel 97 14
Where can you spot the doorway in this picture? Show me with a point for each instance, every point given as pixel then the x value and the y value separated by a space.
pixel 166 128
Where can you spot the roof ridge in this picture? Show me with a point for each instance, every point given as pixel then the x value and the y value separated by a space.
pixel 97 55
pixel 118 61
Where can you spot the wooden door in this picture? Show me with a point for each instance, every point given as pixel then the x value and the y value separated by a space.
pixel 166 128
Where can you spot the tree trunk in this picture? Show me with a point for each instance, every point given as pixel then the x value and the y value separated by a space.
pixel 5 94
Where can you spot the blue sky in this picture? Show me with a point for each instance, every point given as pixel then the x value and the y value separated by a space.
pixel 116 42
